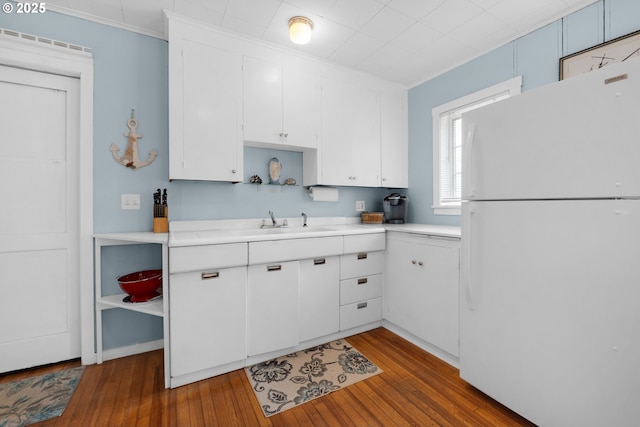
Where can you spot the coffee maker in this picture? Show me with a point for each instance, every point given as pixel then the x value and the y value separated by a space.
pixel 395 208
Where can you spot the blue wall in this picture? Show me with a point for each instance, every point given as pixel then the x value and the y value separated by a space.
pixel 535 56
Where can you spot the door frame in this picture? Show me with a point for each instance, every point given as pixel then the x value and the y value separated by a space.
pixel 45 55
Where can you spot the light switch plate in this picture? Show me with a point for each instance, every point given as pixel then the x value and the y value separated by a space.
pixel 360 206
pixel 130 201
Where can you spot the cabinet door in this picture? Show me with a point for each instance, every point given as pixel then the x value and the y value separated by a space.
pixel 403 297
pixel 319 297
pixel 262 101
pixel 394 144
pixel 421 290
pixel 439 324
pixel 301 108
pixel 350 146
pixel 205 104
pixel 273 308
pixel 208 319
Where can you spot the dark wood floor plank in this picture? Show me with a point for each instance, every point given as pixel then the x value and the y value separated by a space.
pixel 415 389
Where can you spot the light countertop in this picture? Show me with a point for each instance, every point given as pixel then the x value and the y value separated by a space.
pixel 428 229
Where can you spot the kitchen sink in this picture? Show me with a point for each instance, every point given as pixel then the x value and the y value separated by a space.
pixel 282 230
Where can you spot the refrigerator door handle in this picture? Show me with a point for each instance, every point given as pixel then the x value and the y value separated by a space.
pixel 466 256
pixel 467 184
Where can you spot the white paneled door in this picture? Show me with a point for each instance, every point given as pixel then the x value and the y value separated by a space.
pixel 39 279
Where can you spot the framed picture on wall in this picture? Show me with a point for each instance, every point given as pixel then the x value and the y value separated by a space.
pixel 616 50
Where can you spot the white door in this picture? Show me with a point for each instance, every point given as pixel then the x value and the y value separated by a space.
pixel 39 270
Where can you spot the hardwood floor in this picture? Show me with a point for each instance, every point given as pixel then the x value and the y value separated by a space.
pixel 415 389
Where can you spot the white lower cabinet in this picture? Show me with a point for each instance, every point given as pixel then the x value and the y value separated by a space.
pixel 273 320
pixel 361 280
pixel 319 297
pixel 422 287
pixel 208 319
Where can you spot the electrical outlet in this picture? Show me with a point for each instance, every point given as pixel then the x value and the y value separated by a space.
pixel 359 205
pixel 130 201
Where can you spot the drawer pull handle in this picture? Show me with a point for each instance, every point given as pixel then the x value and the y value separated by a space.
pixel 319 261
pixel 274 267
pixel 362 305
pixel 210 275
pixel 362 281
pixel 362 255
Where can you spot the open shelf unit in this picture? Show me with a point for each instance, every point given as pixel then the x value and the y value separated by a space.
pixel 156 307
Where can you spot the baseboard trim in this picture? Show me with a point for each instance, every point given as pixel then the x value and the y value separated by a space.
pixel 130 350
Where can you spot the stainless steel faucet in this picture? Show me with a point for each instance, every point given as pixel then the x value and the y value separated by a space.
pixel 273 219
pixel 304 216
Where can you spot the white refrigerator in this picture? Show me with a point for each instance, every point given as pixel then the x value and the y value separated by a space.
pixel 550 284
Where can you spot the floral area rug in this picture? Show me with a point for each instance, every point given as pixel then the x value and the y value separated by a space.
pixel 38 398
pixel 296 378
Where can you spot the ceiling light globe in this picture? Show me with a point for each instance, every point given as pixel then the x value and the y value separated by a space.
pixel 300 29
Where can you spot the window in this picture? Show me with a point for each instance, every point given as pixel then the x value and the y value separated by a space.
pixel 447 143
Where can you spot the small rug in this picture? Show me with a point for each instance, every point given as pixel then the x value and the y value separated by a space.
pixel 38 398
pixel 296 378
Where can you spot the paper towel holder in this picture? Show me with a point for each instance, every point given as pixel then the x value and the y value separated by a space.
pixel 323 194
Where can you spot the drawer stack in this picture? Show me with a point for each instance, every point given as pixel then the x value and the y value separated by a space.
pixel 361 280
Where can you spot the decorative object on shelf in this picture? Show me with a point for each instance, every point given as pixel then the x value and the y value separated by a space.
pixel 141 286
pixel 323 194
pixel 617 50
pixel 291 380
pixel 275 167
pixel 289 181
pixel 160 212
pixel 255 179
pixel 300 29
pixel 131 159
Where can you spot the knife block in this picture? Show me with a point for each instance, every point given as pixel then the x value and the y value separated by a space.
pixel 161 224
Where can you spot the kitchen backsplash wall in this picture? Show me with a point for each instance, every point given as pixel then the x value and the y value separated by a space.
pixel 535 56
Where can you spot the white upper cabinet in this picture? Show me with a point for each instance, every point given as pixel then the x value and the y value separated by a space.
pixel 205 107
pixel 394 143
pixel 281 104
pixel 226 92
pixel 350 147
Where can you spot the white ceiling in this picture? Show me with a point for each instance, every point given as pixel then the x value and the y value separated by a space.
pixel 407 41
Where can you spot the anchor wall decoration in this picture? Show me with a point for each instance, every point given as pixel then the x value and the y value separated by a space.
pixel 131 159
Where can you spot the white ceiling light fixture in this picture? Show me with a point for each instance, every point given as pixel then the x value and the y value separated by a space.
pixel 300 29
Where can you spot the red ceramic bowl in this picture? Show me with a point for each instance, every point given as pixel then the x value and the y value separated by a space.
pixel 142 285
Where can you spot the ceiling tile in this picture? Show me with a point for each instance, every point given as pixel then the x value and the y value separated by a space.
pixel 199 11
pixel 353 13
pixel 317 7
pixel 254 12
pixel 468 33
pixel 416 9
pixel 416 37
pixel 450 15
pixel 387 24
pixel 356 49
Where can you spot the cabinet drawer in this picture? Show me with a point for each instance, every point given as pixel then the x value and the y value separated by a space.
pixel 360 313
pixel 364 243
pixel 207 257
pixel 361 264
pixel 360 289
pixel 294 249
